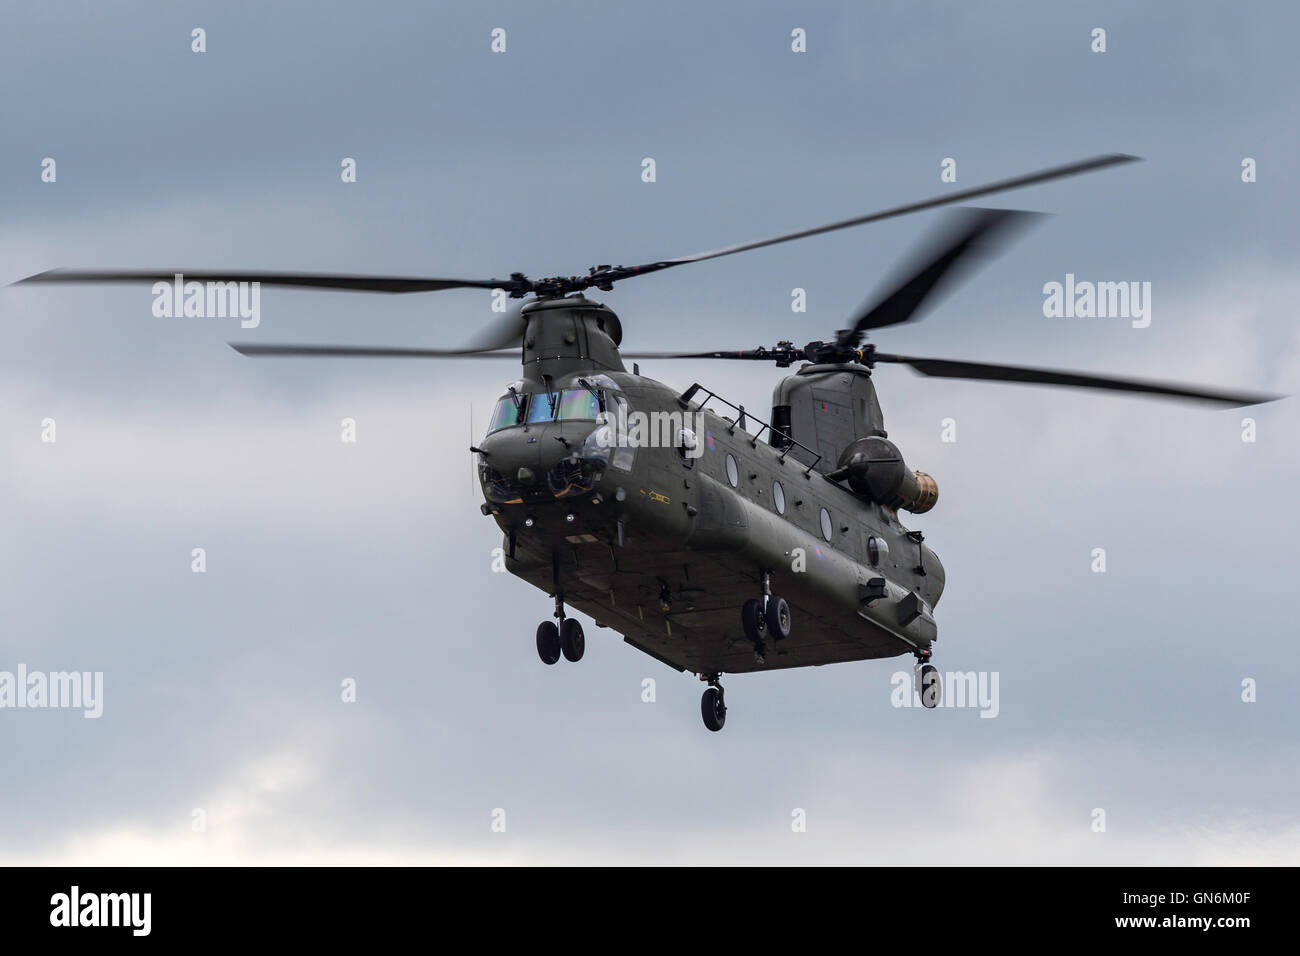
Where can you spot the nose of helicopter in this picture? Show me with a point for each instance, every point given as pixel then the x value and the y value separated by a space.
pixel 540 460
pixel 508 452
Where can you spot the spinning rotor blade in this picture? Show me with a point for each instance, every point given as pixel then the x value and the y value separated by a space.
pixel 1030 179
pixel 299 280
pixel 757 355
pixel 600 277
pixel 501 338
pixel 358 351
pixel 982 371
pixel 967 236
pixel 785 355
pixel 502 331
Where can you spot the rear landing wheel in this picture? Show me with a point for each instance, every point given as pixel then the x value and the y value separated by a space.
pixel 548 642
pixel 713 709
pixel 753 620
pixel 931 689
pixel 778 618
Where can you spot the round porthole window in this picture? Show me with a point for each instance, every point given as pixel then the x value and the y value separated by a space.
pixel 778 497
pixel 826 524
pixel 733 472
pixel 877 550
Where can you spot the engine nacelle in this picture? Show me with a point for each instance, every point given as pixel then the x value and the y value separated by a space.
pixel 874 468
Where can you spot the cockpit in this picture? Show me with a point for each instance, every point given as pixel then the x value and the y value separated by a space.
pixel 513 469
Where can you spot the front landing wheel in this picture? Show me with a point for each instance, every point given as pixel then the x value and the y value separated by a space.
pixel 572 641
pixel 548 642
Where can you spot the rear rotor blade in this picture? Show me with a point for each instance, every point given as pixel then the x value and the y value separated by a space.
pixel 298 280
pixel 756 355
pixel 982 371
pixel 965 237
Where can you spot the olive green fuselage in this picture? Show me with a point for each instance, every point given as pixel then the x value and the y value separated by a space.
pixel 664 543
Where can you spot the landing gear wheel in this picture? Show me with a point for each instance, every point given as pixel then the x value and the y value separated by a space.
pixel 572 642
pixel 713 709
pixel 931 688
pixel 778 618
pixel 548 642
pixel 753 620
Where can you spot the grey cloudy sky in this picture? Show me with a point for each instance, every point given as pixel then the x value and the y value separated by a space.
pixel 370 561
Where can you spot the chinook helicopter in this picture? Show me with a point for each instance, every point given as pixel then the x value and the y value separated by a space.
pixel 710 539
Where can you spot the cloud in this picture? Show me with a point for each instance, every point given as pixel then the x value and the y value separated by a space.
pixel 1012 810
pixel 240 459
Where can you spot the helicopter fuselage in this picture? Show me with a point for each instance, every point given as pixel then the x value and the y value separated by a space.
pixel 663 535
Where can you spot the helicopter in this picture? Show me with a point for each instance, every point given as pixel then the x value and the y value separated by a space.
pixel 712 540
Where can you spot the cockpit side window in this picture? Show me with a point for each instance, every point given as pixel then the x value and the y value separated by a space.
pixel 509 411
pixel 624 446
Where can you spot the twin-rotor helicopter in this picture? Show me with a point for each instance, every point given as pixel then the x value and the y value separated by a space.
pixel 710 539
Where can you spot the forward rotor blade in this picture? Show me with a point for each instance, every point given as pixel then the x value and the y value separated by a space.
pixel 965 237
pixel 981 371
pixel 1002 185
pixel 502 331
pixel 352 351
pixel 298 280
pixel 602 277
pixel 500 338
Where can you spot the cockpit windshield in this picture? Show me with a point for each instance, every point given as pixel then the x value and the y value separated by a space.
pixel 542 407
pixel 572 404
